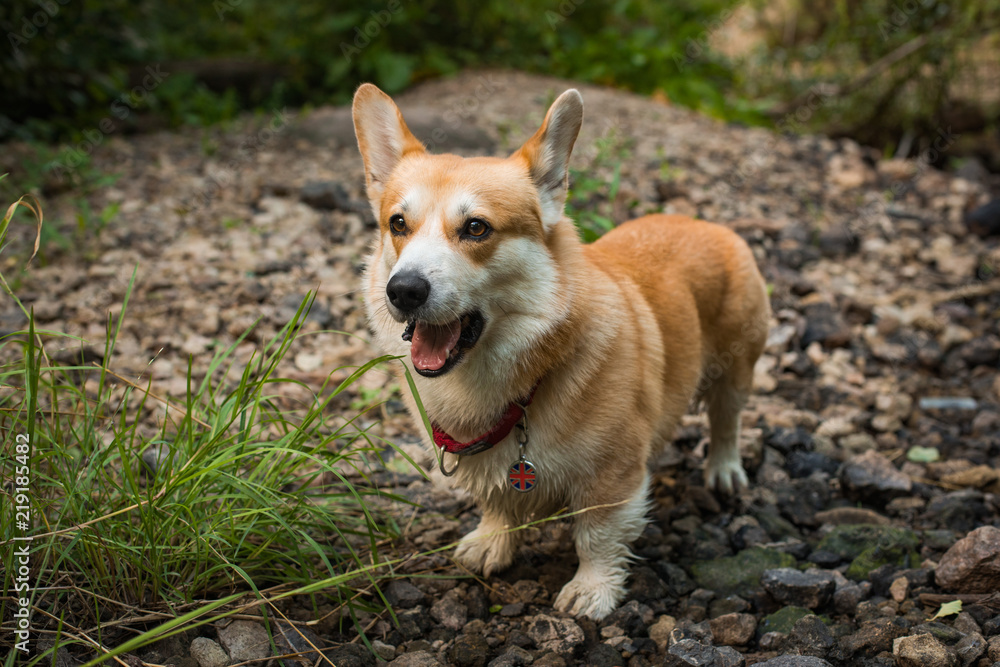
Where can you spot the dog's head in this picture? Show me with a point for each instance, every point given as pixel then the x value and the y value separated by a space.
pixel 463 258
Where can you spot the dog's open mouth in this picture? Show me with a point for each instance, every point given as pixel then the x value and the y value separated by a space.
pixel 437 348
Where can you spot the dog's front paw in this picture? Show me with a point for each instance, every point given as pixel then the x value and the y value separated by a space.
pixel 726 475
pixel 593 596
pixel 486 550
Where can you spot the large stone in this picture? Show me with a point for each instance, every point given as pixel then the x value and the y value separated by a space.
pixel 922 651
pixel 415 659
pixel 348 655
pixel 788 586
pixel 449 612
pixel 873 478
pixel 739 574
pixel 689 652
pixel 972 565
pixel 869 547
pixel 559 635
pixel 660 631
pixel 208 653
pixel 733 629
pixel 872 638
pixel 810 636
pixel 402 594
pixel 969 648
pixel 245 640
pixel 469 651
pixel 783 620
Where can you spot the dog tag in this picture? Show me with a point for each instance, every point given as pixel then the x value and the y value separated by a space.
pixel 522 475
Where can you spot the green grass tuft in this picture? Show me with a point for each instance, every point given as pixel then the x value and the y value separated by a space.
pixel 248 495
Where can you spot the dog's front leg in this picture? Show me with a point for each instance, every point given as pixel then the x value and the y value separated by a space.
pixel 602 537
pixel 491 546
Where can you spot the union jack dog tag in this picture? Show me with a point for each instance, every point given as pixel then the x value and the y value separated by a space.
pixel 522 475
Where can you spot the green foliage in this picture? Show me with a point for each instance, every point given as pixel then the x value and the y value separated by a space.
pixel 67 167
pixel 245 492
pixel 877 71
pixel 593 189
pixel 221 55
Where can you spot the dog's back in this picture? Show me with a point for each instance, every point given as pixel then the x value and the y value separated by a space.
pixel 691 271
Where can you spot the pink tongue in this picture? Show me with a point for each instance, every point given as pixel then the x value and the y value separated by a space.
pixel 431 343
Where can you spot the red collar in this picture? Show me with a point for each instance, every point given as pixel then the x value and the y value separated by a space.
pixel 499 431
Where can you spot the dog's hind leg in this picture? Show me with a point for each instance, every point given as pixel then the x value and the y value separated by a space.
pixel 602 537
pixel 725 399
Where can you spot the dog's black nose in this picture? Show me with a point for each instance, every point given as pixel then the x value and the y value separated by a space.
pixel 407 291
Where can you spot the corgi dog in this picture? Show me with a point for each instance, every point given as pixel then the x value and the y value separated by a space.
pixel 552 370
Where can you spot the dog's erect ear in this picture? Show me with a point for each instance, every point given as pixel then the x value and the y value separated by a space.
pixel 547 154
pixel 383 138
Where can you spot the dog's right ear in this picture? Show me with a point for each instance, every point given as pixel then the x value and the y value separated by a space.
pixel 383 138
pixel 547 154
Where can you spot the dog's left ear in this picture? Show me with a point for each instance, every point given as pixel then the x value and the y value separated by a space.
pixel 383 138
pixel 547 154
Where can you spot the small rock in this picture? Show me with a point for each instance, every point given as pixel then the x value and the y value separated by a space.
pixel 449 612
pixel 415 659
pixel 385 651
pixel 978 477
pixel 985 220
pixel 981 351
pixel 403 595
pixel 789 586
pixel 810 636
pixel 899 588
pixel 307 362
pixel 514 656
pixel 872 638
pixel 972 565
pixel 825 326
pixel 512 609
pixel 690 652
pixel 847 599
pixel 824 559
pixel 208 653
pixel 154 457
pixel 603 655
pixel 300 640
pixel 348 655
pixel 660 631
pixel 326 195
pixel 993 649
pixel 922 651
pixel 245 640
pixel 46 310
pixel 560 635
pixel 872 477
pixel 733 629
pixel 469 651
pixel 783 620
pixel 969 648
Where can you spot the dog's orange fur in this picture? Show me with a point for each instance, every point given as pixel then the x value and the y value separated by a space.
pixel 630 328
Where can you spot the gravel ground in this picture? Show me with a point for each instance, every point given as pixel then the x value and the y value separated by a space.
pixel 872 440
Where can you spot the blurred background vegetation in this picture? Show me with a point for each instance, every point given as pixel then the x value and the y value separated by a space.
pixel 887 71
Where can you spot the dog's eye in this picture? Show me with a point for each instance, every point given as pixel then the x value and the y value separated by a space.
pixel 476 228
pixel 397 224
